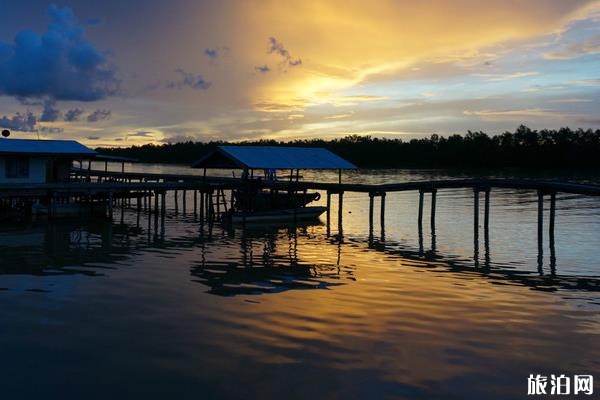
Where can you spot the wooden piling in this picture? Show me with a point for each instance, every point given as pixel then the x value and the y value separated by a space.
pixel 340 208
pixel 552 216
pixel 486 211
pixel 163 211
pixel 184 201
pixel 382 212
pixel 371 201
pixel 476 214
pixel 420 216
pixel 433 204
pixel 328 215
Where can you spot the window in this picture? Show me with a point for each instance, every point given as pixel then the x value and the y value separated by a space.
pixel 17 167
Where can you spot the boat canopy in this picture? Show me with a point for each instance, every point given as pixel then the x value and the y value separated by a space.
pixel 272 157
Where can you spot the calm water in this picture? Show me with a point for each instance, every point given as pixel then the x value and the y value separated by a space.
pixel 115 309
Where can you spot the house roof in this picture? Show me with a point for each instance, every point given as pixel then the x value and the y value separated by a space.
pixel 44 147
pixel 272 157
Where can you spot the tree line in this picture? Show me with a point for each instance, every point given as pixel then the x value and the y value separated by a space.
pixel 523 148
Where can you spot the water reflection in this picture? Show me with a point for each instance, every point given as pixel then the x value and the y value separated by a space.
pixel 268 262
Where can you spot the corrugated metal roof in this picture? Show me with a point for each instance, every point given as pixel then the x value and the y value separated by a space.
pixel 272 157
pixel 44 147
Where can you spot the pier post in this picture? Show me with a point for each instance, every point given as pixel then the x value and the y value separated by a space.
pixel 540 222
pixel 476 226
pixel 476 212
pixel 486 211
pixel 420 217
pixel 371 201
pixel 340 207
pixel 328 212
pixel 183 201
pixel 433 204
pixel 551 233
pixel 163 212
pixel 382 215
pixel 155 211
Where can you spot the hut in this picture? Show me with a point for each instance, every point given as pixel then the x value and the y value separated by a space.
pixel 39 161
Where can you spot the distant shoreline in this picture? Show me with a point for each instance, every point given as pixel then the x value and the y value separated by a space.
pixel 524 148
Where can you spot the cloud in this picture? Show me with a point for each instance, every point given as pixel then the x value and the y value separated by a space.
pixel 19 122
pixel 98 115
pixel 73 114
pixel 277 47
pixel 51 129
pixel 263 69
pixel 144 134
pixel 216 52
pixel 586 82
pixel 50 113
pixel 507 77
pixel 60 64
pixel 188 79
pixel 514 114
pixel 93 137
pixel 211 53
pixel 574 50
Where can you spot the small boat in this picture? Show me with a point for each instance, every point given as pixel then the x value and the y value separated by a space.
pixel 280 215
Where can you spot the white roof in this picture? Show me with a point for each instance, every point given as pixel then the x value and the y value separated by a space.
pixel 44 147
pixel 272 157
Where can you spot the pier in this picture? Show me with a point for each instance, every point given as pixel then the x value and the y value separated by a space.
pixel 212 196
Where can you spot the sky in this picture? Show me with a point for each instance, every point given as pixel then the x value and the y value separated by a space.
pixel 122 73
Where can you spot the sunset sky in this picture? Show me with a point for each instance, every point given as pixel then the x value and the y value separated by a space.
pixel 133 72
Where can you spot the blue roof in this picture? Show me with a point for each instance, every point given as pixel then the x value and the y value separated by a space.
pixel 44 147
pixel 272 157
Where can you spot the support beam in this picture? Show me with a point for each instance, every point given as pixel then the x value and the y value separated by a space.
pixel 420 217
pixel 340 208
pixel 328 212
pixel 433 204
pixel 371 206
pixel 540 217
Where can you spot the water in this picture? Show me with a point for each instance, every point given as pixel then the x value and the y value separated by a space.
pixel 100 309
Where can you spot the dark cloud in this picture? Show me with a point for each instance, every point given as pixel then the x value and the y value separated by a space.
pixel 188 79
pixel 277 47
pixel 50 112
pixel 19 122
pixel 51 129
pixel 59 64
pixel 98 115
pixel 93 137
pixel 141 134
pixel 263 69
pixel 73 114
pixel 118 139
pixel 211 53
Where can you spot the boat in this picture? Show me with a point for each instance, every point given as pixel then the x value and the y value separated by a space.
pixel 280 215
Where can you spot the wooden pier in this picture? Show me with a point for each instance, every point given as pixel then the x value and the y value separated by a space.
pixel 111 189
